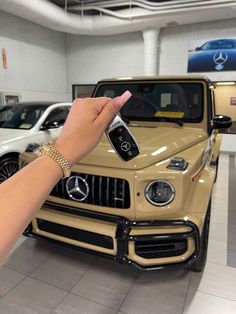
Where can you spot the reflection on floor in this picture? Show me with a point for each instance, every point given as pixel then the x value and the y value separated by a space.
pixel 43 278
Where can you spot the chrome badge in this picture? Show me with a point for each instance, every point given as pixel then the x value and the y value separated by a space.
pixel 77 188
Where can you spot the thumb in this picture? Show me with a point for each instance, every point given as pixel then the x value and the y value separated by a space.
pixel 112 107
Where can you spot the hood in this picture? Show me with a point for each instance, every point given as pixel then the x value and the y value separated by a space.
pixel 155 144
pixel 9 135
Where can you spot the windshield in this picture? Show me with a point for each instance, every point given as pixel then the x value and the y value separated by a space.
pixel 20 116
pixel 219 44
pixel 160 101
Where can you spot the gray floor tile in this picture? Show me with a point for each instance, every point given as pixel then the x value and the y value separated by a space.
pixel 8 280
pixel 150 296
pixel 217 252
pixel 217 280
pixel 178 277
pixel 231 258
pixel 29 255
pixel 64 268
pixel 106 282
pixel 202 303
pixel 220 215
pixel 31 297
pixel 231 237
pixel 74 304
pixel 218 231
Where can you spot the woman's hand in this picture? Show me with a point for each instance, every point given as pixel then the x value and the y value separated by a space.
pixel 85 124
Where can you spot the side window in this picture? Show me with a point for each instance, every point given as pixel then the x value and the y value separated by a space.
pixel 57 115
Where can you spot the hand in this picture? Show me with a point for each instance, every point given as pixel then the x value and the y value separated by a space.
pixel 85 124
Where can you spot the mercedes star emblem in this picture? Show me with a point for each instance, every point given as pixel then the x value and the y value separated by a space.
pixel 77 188
pixel 125 146
pixel 220 58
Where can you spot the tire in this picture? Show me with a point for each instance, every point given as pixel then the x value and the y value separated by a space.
pixel 8 166
pixel 216 165
pixel 199 265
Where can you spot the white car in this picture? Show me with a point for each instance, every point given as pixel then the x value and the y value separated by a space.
pixel 24 123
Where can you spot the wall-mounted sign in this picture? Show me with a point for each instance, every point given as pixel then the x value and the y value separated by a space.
pixel 212 55
pixel 233 101
pixel 4 59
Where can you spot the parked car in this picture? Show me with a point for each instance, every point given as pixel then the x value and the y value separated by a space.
pixel 214 55
pixel 154 210
pixel 24 123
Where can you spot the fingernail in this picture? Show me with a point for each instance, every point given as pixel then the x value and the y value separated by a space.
pixel 121 100
pixel 126 95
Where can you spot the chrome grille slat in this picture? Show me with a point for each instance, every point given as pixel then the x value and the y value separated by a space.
pixel 123 193
pixel 103 191
pixel 93 189
pixel 100 191
pixel 107 191
pixel 115 192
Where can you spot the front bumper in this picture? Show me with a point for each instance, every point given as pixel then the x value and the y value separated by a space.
pixel 148 245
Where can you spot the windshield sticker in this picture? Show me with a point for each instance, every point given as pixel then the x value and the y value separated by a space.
pixel 25 126
pixel 169 114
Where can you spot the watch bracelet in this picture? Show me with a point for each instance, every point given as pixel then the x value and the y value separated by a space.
pixel 49 150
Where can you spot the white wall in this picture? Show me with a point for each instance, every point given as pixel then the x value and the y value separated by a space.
pixel 91 58
pixel 36 60
pixel 175 43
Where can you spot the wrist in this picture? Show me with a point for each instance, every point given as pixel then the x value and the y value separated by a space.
pixel 54 153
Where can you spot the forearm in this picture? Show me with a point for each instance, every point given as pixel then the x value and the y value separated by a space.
pixel 22 195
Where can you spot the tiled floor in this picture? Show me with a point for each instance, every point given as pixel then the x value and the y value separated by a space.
pixel 43 278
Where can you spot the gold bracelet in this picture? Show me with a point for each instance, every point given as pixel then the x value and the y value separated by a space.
pixel 49 150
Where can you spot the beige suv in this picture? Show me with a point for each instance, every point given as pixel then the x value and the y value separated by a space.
pixel 154 210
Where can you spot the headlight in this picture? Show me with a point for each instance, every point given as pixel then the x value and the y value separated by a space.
pixel 159 193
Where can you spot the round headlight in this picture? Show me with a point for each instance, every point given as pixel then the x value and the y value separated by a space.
pixel 159 193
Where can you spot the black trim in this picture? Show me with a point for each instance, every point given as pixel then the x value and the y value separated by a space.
pixel 76 234
pixel 123 237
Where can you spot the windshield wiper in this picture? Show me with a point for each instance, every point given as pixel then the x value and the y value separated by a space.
pixel 177 121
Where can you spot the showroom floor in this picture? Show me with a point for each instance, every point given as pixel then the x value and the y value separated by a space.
pixel 40 277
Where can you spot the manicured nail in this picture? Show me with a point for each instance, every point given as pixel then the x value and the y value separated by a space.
pixel 125 96
pixel 121 100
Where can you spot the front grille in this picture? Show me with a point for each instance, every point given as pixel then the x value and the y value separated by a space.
pixel 103 191
pixel 160 248
pixel 76 234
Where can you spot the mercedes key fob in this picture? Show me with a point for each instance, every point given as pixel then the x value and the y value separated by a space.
pixel 122 139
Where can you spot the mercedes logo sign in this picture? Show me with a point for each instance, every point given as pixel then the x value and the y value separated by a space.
pixel 77 188
pixel 220 58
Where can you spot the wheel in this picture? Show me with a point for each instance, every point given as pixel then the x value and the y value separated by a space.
pixel 8 166
pixel 199 265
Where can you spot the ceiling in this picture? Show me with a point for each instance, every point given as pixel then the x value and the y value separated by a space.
pixel 107 17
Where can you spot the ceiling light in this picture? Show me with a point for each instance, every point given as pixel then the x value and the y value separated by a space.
pixel 225 83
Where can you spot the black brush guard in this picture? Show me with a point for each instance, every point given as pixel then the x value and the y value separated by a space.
pixel 122 236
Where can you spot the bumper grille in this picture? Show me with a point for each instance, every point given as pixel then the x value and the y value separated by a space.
pixel 103 191
pixel 76 234
pixel 160 248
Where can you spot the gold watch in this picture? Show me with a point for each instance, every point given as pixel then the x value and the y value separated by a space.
pixel 49 150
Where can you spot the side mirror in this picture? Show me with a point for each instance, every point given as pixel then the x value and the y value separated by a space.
pixel 52 124
pixel 197 49
pixel 221 122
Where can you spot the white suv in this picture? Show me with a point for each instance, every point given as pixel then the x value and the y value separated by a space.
pixel 23 123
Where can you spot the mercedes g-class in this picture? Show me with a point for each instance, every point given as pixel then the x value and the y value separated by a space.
pixel 154 210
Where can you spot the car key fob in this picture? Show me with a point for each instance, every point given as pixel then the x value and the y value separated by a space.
pixel 122 139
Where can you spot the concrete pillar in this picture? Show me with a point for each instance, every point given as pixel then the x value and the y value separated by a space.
pixel 151 51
